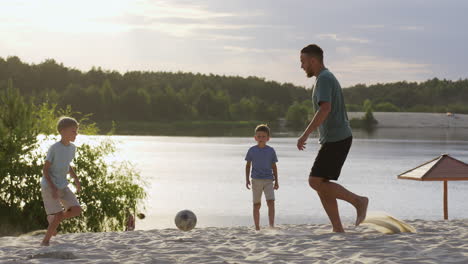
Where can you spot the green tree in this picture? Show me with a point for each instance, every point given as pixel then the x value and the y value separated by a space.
pixel 297 116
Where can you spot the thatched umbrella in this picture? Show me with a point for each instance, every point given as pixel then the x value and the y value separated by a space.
pixel 443 168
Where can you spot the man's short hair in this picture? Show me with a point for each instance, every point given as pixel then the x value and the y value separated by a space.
pixel 65 122
pixel 313 50
pixel 263 128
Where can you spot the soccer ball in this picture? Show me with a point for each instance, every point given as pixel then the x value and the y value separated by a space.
pixel 185 220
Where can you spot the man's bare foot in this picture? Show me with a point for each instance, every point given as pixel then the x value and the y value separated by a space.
pixel 361 209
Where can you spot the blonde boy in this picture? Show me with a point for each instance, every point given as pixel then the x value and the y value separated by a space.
pixel 262 158
pixel 59 201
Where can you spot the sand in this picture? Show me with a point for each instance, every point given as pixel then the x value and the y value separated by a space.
pixel 416 120
pixel 434 242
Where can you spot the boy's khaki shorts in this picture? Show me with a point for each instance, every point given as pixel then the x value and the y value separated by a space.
pixel 262 185
pixel 66 199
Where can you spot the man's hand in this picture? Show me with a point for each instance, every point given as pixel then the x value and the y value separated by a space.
pixel 247 184
pixel 301 142
pixel 276 185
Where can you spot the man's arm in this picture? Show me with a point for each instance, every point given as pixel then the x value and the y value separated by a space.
pixel 319 118
pixel 50 183
pixel 247 174
pixel 77 181
pixel 275 173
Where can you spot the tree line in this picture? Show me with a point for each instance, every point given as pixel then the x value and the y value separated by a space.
pixel 433 95
pixel 151 96
pixel 178 96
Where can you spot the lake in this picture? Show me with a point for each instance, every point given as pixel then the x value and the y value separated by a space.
pixel 206 175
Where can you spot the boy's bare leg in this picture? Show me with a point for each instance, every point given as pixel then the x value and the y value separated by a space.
pixel 256 215
pixel 55 222
pixel 50 219
pixel 271 212
pixel 329 190
pixel 72 212
pixel 52 228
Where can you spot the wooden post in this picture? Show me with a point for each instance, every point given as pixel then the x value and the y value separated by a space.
pixel 445 201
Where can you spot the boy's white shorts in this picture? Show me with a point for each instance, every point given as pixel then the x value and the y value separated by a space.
pixel 262 185
pixel 66 199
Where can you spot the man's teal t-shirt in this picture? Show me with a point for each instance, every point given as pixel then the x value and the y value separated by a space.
pixel 60 157
pixel 336 126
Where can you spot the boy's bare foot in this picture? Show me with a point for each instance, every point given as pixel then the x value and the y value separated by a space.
pixel 45 244
pixel 338 230
pixel 361 209
pixel 257 228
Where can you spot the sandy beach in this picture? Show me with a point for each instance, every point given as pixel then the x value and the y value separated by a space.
pixel 434 242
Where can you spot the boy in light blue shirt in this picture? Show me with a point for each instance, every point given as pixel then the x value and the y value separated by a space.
pixel 59 201
pixel 262 159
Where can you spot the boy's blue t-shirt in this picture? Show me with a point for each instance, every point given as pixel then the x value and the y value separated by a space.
pixel 60 157
pixel 262 159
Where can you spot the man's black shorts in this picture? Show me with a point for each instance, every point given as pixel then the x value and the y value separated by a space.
pixel 330 159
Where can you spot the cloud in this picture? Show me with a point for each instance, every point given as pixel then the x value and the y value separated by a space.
pixel 342 39
pixel 412 28
pixel 374 69
pixel 377 26
pixel 240 49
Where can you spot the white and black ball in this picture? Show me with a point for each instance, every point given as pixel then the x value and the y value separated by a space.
pixel 185 220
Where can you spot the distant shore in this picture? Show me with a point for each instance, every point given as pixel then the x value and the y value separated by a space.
pixel 416 120
pixel 210 128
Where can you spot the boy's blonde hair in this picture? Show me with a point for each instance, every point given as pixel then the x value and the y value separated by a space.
pixel 65 122
pixel 263 128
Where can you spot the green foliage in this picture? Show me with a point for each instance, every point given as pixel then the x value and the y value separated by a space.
pixel 19 166
pixel 298 115
pixel 368 122
pixel 430 96
pixel 151 96
pixel 386 107
pixel 107 188
pixel 353 108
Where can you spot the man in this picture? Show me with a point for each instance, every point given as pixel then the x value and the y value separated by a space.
pixel 335 138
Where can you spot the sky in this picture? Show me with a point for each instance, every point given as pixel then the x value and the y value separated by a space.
pixel 364 41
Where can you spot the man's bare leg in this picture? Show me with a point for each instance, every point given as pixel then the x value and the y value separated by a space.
pixel 330 205
pixel 256 215
pixel 271 212
pixel 337 191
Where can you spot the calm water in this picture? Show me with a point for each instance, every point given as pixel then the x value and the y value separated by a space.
pixel 206 175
